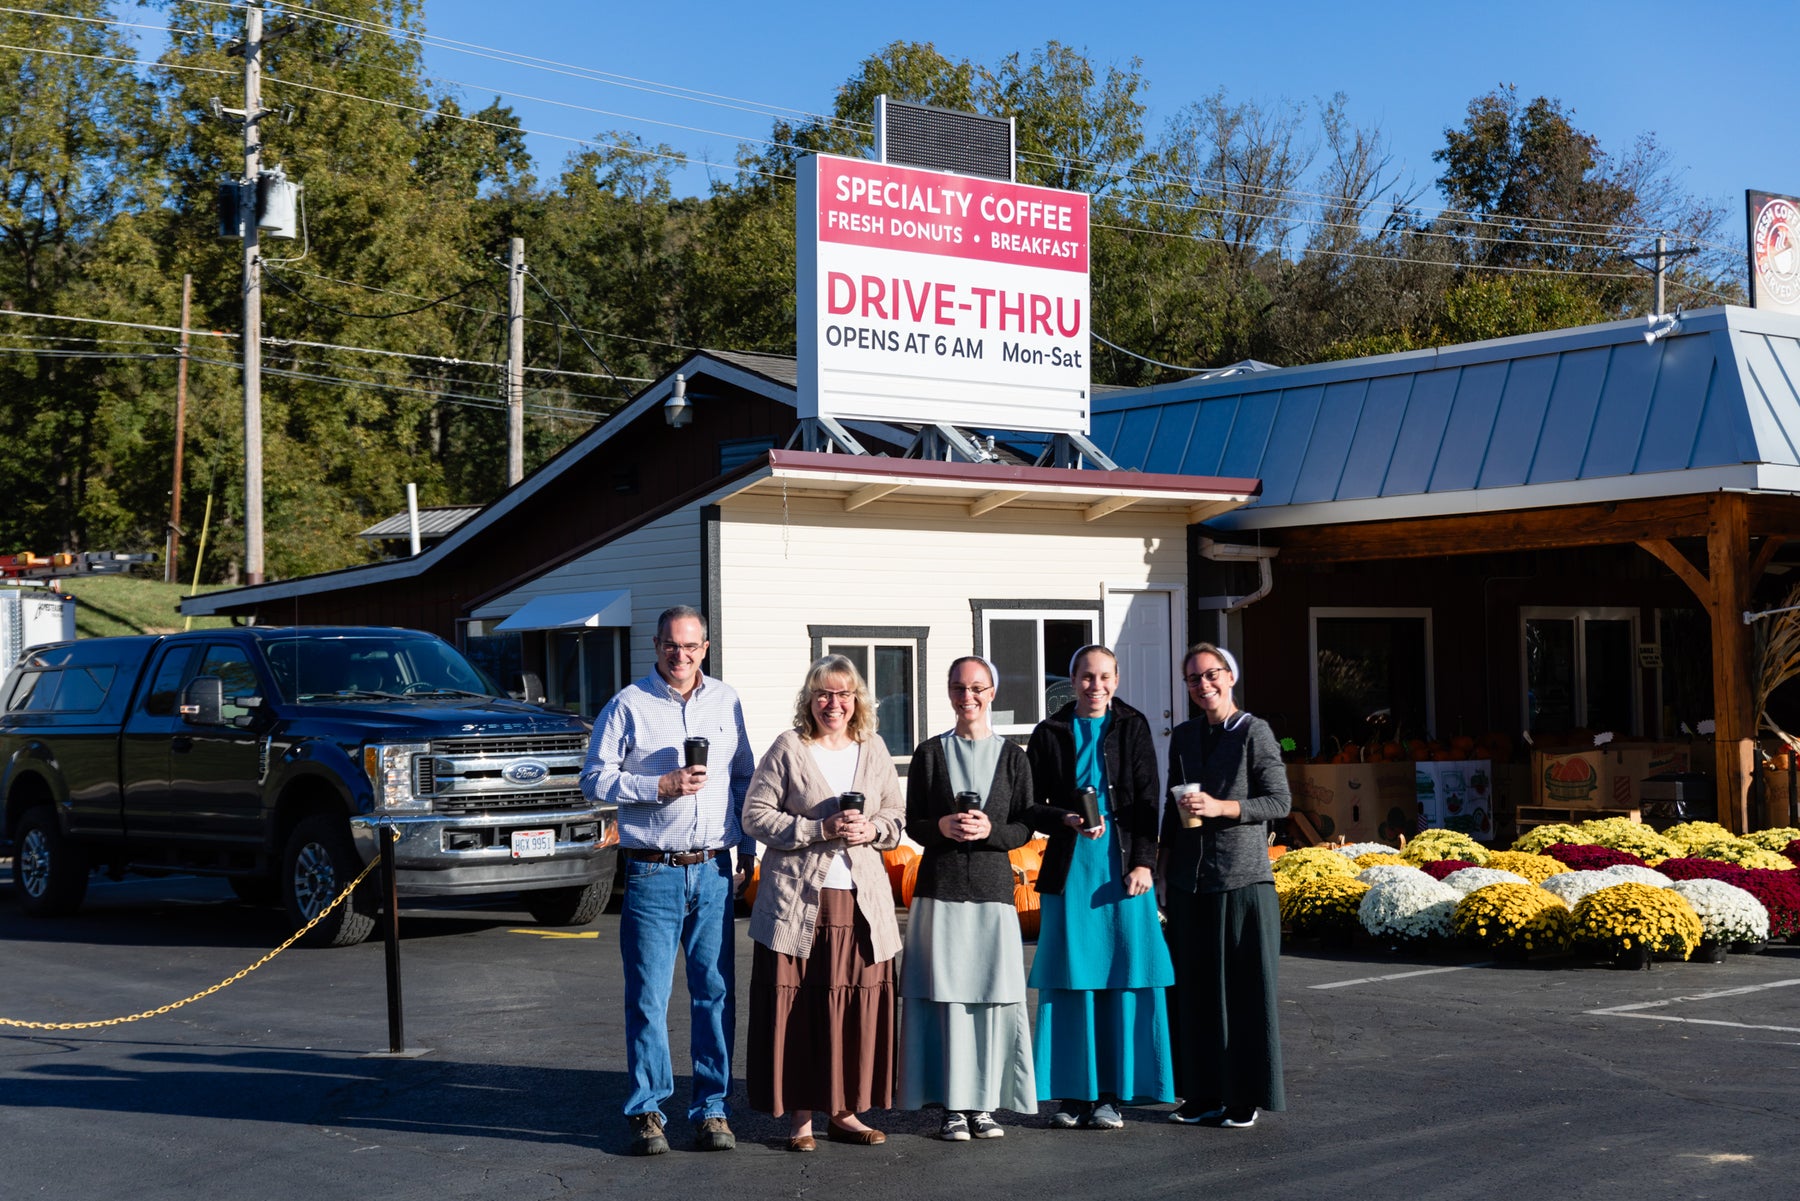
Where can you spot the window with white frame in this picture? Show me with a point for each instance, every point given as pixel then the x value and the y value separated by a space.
pixel 1371 674
pixel 1581 669
pixel 1030 644
pixel 892 662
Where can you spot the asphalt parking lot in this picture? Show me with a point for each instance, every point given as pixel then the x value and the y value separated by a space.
pixel 1436 1078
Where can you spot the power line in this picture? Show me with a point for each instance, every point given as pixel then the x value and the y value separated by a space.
pixel 1095 334
pixel 429 304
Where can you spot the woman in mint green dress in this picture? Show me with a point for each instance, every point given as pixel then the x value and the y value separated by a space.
pixel 1102 966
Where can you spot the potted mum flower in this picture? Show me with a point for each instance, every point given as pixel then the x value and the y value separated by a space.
pixel 1572 886
pixel 1469 879
pixel 1312 863
pixel 1631 924
pixel 1730 918
pixel 1623 834
pixel 1776 839
pixel 1780 894
pixel 1534 840
pixel 1513 920
pixel 1743 853
pixel 1409 911
pixel 1324 908
pixel 1444 844
pixel 1589 857
pixel 1536 868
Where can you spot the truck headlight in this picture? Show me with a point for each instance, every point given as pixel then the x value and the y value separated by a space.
pixel 390 767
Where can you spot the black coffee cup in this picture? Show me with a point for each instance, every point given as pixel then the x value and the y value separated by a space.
pixel 850 802
pixel 694 752
pixel 1087 803
pixel 968 802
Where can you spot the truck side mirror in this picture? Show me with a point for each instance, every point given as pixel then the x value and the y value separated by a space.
pixel 203 701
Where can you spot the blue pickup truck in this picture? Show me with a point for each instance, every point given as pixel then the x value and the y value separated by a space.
pixel 275 756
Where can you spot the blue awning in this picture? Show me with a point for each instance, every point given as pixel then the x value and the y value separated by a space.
pixel 572 610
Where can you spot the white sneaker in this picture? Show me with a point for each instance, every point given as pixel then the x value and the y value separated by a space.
pixel 1105 1117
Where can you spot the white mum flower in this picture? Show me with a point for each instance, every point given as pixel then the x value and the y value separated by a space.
pixel 1637 875
pixel 1727 912
pixel 1572 886
pixel 1385 873
pixel 1352 850
pixel 1468 879
pixel 1413 908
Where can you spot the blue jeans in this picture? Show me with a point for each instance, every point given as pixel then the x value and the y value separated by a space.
pixel 686 910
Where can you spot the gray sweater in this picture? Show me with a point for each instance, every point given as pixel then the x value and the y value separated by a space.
pixel 1244 766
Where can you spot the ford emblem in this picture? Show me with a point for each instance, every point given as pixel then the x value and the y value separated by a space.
pixel 525 771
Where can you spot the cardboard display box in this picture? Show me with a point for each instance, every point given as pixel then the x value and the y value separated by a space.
pixel 1608 777
pixel 1361 802
pixel 1457 795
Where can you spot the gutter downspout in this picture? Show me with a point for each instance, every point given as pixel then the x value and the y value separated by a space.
pixel 1231 552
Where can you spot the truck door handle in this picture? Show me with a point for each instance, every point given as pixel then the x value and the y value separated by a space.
pixel 182 744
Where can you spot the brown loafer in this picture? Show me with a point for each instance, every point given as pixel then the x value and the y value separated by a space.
pixel 802 1142
pixel 861 1138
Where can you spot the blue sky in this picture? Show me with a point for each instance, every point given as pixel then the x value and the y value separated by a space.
pixel 1716 92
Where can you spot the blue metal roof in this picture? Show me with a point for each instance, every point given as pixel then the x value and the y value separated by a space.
pixel 1561 417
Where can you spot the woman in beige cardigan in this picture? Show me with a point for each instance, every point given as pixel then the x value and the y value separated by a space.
pixel 822 977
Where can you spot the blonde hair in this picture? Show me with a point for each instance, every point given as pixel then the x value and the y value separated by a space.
pixel 862 721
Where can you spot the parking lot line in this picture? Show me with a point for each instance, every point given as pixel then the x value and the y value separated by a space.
pixel 1430 971
pixel 1634 1010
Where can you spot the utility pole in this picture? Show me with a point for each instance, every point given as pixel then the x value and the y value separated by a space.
pixel 253 113
pixel 1662 265
pixel 515 365
pixel 187 294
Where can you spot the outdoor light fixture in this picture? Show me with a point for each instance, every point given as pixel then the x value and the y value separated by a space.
pixel 677 410
pixel 1661 325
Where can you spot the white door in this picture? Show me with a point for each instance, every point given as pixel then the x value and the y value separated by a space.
pixel 1140 628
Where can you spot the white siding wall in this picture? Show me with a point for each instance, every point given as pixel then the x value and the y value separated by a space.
pixel 906 565
pixel 659 562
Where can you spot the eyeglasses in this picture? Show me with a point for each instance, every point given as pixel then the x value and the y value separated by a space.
pixel 686 648
pixel 842 696
pixel 1209 676
pixel 975 690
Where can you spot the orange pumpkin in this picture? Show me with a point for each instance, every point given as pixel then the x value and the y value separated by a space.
pixel 1030 857
pixel 896 862
pixel 1025 900
pixel 1277 851
pixel 750 888
pixel 909 879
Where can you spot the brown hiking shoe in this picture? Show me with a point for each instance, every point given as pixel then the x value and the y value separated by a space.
pixel 714 1135
pixel 647 1137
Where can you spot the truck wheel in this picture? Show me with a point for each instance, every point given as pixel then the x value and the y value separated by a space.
pixel 570 906
pixel 50 873
pixel 319 861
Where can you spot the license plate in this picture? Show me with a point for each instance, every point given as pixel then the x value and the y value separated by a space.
pixel 533 844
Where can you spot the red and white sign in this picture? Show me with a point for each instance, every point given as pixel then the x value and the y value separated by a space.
pixel 1774 252
pixel 930 297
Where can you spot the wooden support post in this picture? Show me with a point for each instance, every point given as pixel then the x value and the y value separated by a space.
pixel 1728 563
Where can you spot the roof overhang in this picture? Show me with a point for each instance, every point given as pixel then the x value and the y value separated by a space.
pixel 981 489
pixel 570 611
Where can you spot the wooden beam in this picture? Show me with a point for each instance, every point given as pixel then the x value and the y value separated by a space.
pixel 1765 554
pixel 1111 504
pixel 1728 557
pixel 868 495
pixel 1626 521
pixel 992 501
pixel 1678 563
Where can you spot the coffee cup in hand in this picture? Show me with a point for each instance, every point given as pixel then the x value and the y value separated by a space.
pixel 694 752
pixel 1087 803
pixel 968 802
pixel 850 802
pixel 1183 792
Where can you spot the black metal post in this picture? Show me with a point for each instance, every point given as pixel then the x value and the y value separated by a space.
pixel 396 1026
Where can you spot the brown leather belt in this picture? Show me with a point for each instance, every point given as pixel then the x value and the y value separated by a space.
pixel 672 858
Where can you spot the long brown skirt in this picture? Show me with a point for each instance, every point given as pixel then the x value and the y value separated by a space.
pixel 822 1028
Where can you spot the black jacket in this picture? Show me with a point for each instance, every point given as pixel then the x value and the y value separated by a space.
pixel 1245 766
pixel 966 871
pixel 1129 761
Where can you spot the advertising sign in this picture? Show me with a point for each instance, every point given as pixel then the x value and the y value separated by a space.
pixel 1774 252
pixel 925 297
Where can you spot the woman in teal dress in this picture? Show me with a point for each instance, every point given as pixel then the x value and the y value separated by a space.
pixel 1102 965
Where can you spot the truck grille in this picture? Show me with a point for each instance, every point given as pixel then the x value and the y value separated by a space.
pixel 465 776
pixel 509 746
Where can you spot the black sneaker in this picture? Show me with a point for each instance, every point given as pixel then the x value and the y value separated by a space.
pixel 983 1125
pixel 1193 1113
pixel 955 1128
pixel 1070 1114
pixel 647 1137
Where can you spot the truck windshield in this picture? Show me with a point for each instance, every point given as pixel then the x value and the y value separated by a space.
pixel 333 669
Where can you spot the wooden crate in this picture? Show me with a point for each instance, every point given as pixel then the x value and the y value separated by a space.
pixel 1530 816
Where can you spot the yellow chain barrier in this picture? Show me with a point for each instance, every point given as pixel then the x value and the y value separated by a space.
pixel 229 980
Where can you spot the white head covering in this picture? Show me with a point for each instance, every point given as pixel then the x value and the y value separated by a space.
pixel 1231 663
